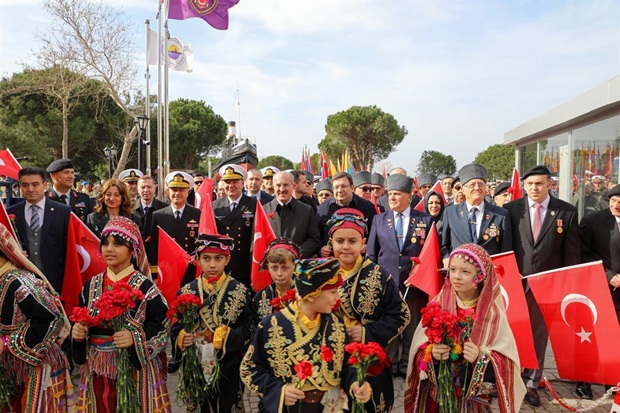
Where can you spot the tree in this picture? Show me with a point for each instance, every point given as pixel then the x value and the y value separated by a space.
pixel 278 161
pixel 499 160
pixel 436 163
pixel 368 133
pixel 195 131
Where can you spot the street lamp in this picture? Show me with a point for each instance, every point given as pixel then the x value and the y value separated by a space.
pixel 110 153
pixel 142 122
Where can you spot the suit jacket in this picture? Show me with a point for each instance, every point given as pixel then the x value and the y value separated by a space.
pixel 96 222
pixel 53 248
pixel 600 240
pixel 145 222
pixel 382 246
pixel 265 197
pixel 495 230
pixel 184 232
pixel 79 202
pixel 327 209
pixel 558 243
pixel 239 225
pixel 295 221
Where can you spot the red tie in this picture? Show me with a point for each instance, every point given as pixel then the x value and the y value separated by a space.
pixel 536 222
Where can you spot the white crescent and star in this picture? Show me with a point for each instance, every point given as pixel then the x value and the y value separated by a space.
pixel 85 257
pixel 257 236
pixel 582 299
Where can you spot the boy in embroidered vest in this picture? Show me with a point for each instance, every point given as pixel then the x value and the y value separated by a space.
pixel 279 260
pixel 297 355
pixel 223 330
pixel 372 307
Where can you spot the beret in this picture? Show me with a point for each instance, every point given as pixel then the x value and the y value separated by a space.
pixel 615 191
pixel 536 170
pixel 59 165
pixel 502 187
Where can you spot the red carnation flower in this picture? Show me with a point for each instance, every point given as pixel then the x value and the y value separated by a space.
pixel 327 354
pixel 303 370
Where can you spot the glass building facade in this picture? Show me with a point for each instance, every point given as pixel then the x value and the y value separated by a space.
pixel 579 142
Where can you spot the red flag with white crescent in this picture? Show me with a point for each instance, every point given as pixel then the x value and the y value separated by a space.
pixel 8 164
pixel 615 407
pixel 426 270
pixel 517 314
pixel 263 235
pixel 580 316
pixel 203 202
pixel 171 265
pixel 515 185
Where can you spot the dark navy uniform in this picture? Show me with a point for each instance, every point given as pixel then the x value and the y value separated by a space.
pixel 79 203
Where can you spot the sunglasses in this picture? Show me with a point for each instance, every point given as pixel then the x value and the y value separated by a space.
pixel 366 188
pixel 198 182
pixel 458 187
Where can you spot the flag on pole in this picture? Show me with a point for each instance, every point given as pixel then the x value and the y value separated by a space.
pixel 8 164
pixel 325 170
pixel 581 320
pixel 180 56
pixel 214 12
pixel 515 185
pixel 153 49
pixel 172 264
pixel 517 314
pixel 426 271
pixel 436 188
pixel 263 235
pixel 207 223
pixel 5 220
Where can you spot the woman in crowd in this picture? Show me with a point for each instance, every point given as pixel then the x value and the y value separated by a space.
pixel 112 201
pixel 434 205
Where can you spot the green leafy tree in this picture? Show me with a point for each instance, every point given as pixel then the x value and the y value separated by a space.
pixel 436 163
pixel 278 161
pixel 499 160
pixel 368 133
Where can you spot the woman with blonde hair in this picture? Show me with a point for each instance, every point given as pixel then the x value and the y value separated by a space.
pixel 113 201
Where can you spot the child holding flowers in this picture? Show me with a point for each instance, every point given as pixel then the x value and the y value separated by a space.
pixel 372 307
pixel 121 311
pixel 279 260
pixel 34 374
pixel 297 357
pixel 463 350
pixel 222 331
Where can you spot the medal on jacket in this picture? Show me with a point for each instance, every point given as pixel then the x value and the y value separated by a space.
pixel 559 224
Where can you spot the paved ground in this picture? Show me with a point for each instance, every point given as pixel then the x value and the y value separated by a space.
pixel 564 389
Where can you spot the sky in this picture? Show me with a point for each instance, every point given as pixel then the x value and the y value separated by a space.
pixel 457 74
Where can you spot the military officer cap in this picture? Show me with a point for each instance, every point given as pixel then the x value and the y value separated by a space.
pixel 324 185
pixel 59 165
pixel 360 178
pixel 398 182
pixel 130 175
pixel 426 179
pixel 377 179
pixel 501 188
pixel 315 275
pixel 179 179
pixel 536 170
pixel 233 171
pixel 473 171
pixel 309 176
pixel 269 171
pixel 615 191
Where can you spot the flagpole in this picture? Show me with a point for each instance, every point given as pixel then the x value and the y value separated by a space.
pixel 147 100
pixel 166 108
pixel 160 159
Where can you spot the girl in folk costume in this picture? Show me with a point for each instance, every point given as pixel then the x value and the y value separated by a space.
pixel 32 326
pixel 296 362
pixel 372 307
pixel 489 362
pixel 279 260
pixel 223 330
pixel 145 333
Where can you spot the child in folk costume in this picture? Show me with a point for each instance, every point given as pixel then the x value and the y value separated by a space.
pixel 32 325
pixel 145 334
pixel 225 317
pixel 279 260
pixel 304 333
pixel 372 307
pixel 489 362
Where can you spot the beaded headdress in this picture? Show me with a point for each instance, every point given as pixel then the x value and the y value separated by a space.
pixel 213 244
pixel 283 243
pixel 126 229
pixel 348 218
pixel 317 274
pixel 478 257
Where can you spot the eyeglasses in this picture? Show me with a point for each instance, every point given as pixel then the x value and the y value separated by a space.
pixel 198 182
pixel 366 188
pixel 426 186
pixel 475 185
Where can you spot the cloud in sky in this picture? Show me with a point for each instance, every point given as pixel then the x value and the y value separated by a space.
pixel 456 74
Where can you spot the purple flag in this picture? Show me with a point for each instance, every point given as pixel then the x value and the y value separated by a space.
pixel 214 12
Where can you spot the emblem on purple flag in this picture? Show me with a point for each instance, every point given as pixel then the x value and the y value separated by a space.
pixel 214 12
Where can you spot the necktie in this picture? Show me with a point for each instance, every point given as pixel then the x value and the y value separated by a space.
pixel 536 221
pixel 399 230
pixel 177 215
pixel 146 210
pixel 34 220
pixel 63 198
pixel 472 225
pixel 232 206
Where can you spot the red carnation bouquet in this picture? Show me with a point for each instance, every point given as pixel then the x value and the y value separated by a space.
pixel 113 307
pixel 304 369
pixel 368 359
pixel 192 381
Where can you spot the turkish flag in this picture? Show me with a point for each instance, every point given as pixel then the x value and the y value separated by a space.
pixel 263 235
pixel 515 185
pixel 203 202
pixel 373 199
pixel 427 274
pixel 8 164
pixel 5 220
pixel 171 266
pixel 436 188
pixel 615 408
pixel 580 316
pixel 516 307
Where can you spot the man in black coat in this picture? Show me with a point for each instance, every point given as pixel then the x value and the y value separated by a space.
pixel 545 237
pixel 234 216
pixel 143 213
pixel 291 218
pixel 253 185
pixel 63 177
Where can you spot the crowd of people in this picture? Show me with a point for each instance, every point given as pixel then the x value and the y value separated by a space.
pixel 339 265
